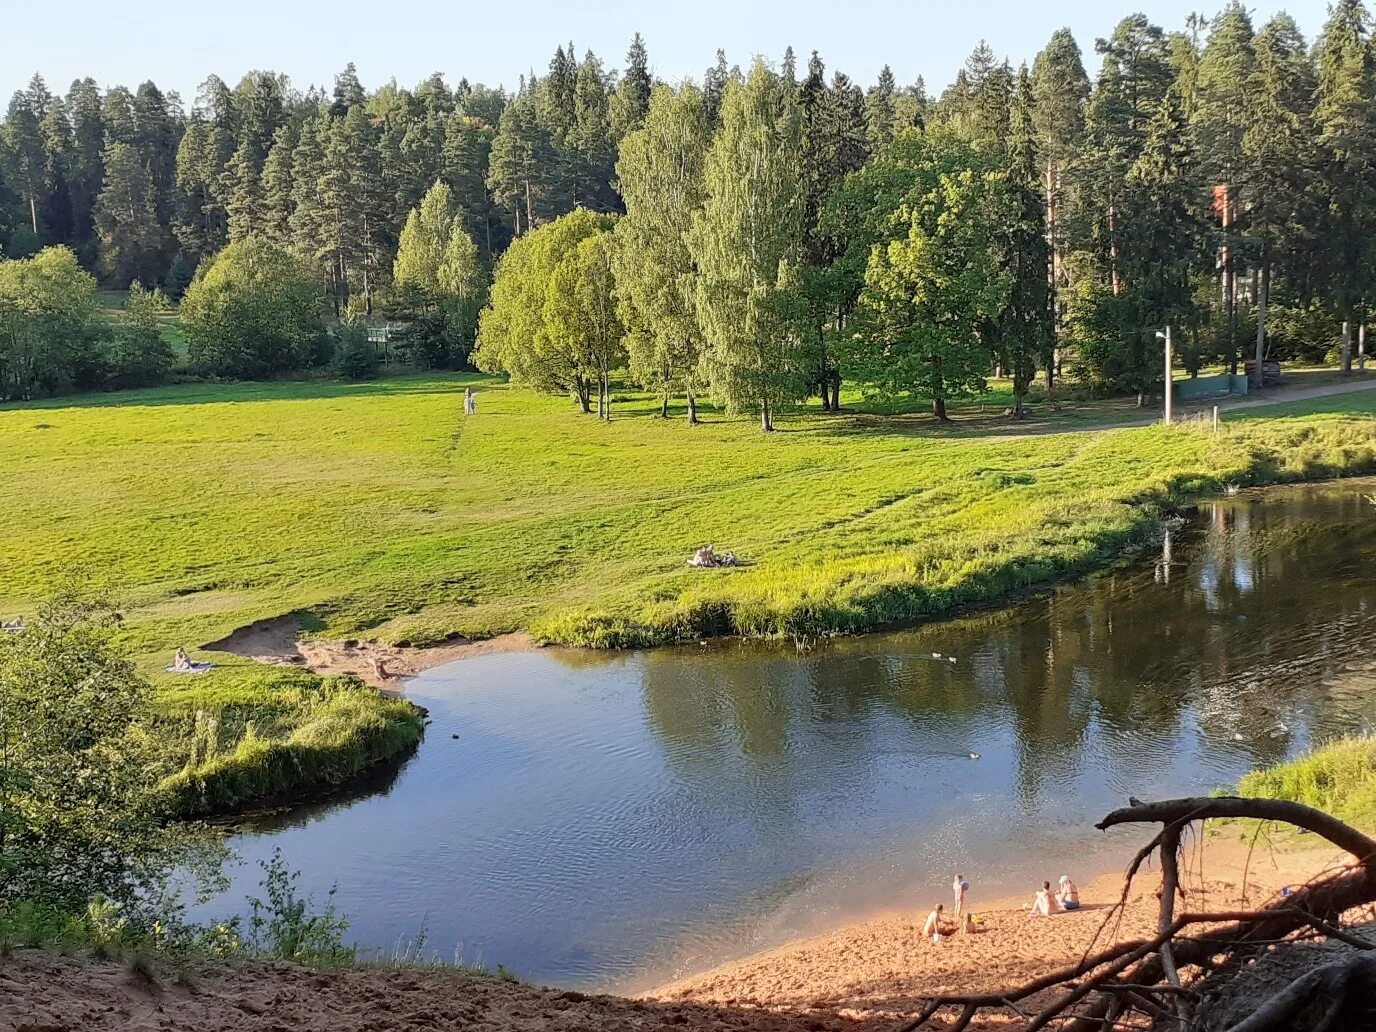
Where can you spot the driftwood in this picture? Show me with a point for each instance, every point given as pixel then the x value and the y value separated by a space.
pixel 1141 979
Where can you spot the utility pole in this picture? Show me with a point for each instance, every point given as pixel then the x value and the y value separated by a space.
pixel 1166 336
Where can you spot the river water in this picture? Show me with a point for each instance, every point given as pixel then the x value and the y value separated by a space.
pixel 614 820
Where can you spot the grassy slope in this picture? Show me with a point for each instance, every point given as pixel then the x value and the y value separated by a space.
pixel 376 509
pixel 1338 778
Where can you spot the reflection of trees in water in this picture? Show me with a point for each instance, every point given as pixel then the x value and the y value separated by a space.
pixel 1262 600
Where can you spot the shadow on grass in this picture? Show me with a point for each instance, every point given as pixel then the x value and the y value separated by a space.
pixel 233 392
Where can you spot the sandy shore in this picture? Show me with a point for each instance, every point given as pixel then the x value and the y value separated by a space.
pixel 884 968
pixel 277 641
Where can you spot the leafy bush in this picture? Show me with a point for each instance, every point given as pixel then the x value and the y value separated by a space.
pixel 51 339
pixel 355 356
pixel 139 356
pixel 255 311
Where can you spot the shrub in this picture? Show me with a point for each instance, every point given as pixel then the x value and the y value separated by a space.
pixel 355 356
pixel 253 312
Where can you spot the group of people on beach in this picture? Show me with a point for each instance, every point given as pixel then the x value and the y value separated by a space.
pixel 1046 902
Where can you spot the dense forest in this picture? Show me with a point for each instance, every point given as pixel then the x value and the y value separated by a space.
pixel 760 234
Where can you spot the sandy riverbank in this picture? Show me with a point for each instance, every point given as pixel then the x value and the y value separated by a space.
pixel 884 968
pixel 277 641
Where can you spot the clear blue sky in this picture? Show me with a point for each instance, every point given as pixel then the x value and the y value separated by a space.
pixel 177 44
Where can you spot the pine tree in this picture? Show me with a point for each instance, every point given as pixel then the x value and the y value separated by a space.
pixel 589 143
pixel 631 101
pixel 1024 332
pixel 464 155
pixel 524 172
pixel 87 163
pixel 748 240
pixel 348 92
pixel 1346 117
pixel 880 119
pixel 127 226
pixel 1060 90
pixel 245 207
pixel 25 159
pixel 1279 154
pixel 554 95
pixel 1224 108
pixel 661 174
pixel 278 182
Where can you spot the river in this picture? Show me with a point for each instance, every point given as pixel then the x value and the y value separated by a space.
pixel 613 820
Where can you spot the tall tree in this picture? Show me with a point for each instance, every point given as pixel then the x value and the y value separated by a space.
pixel 130 234
pixel 748 240
pixel 1278 153
pixel 631 101
pixel 1223 111
pixel 1060 93
pixel 661 176
pixel 1346 117
pixel 580 316
pixel 880 117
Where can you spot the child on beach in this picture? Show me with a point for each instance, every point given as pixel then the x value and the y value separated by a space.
pixel 959 887
pixel 932 928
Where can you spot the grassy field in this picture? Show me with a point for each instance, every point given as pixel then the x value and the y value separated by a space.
pixel 377 510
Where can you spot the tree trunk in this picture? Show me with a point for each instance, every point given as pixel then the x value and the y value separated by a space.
pixel 582 394
pixel 766 423
pixel 530 210
pixel 33 213
pixel 939 409
pixel 664 403
pixel 1361 347
pixel 1347 347
pixel 1263 298
pixel 1113 249
pixel 692 407
pixel 1229 281
pixel 836 391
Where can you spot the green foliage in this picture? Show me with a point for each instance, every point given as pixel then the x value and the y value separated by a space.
pixel 284 927
pixel 1338 778
pixel 355 356
pixel 936 279
pixel 253 312
pixel 747 238
pixel 139 355
pixel 660 172
pixel 77 769
pixel 515 335
pixel 50 337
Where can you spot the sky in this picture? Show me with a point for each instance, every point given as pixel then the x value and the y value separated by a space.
pixel 178 44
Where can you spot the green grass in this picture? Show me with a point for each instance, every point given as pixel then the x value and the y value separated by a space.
pixel 1338 778
pixel 377 510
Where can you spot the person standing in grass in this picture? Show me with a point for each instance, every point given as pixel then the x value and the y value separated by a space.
pixel 470 402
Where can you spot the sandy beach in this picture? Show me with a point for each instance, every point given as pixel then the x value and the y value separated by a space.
pixel 885 968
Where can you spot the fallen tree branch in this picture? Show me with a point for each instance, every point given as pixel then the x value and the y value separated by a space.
pixel 1169 811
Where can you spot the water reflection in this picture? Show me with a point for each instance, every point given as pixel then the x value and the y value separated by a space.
pixel 608 818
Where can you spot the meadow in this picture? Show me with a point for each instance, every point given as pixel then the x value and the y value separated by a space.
pixel 377 510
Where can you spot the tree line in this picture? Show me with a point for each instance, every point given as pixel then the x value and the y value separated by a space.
pixel 768 232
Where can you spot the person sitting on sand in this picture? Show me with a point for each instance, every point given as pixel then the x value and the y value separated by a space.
pixel 968 926
pixel 959 886
pixel 1044 903
pixel 1067 894
pixel 932 928
pixel 182 663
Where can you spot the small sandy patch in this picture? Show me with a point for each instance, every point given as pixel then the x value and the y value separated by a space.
pixel 277 640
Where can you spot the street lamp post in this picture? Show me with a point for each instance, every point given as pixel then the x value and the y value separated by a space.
pixel 1166 336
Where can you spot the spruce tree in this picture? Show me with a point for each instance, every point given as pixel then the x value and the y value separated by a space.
pixel 130 235
pixel 880 119
pixel 631 101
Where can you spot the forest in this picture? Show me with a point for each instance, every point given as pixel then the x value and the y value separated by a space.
pixel 759 236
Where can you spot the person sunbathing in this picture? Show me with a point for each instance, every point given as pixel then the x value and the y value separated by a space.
pixel 1067 894
pixel 182 663
pixel 1044 903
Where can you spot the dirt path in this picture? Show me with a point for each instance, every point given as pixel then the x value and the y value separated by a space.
pixel 277 640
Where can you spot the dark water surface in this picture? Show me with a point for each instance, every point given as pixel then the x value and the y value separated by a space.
pixel 614 820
